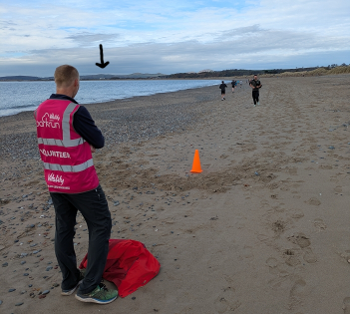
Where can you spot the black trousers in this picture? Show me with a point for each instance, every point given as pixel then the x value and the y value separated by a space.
pixel 255 94
pixel 94 208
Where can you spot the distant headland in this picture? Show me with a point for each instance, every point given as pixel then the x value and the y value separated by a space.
pixel 204 74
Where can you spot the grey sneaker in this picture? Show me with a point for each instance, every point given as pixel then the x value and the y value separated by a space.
pixel 100 295
pixel 70 291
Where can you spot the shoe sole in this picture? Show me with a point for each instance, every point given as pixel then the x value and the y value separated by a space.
pixel 70 292
pixel 92 300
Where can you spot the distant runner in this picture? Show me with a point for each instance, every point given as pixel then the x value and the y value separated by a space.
pixel 233 83
pixel 255 85
pixel 223 87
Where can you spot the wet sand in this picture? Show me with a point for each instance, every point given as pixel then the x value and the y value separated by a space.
pixel 263 229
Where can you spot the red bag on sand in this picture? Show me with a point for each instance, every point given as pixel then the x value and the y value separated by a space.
pixel 129 265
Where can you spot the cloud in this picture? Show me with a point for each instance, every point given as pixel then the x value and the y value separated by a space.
pixel 249 47
pixel 87 39
pixel 167 36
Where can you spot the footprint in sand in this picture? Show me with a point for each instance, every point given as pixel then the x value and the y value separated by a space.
pixel 301 239
pixel 338 189
pixel 272 262
pixel 279 226
pixel 313 201
pixel 320 224
pixel 296 293
pixel 297 214
pixel 290 258
pixel 226 301
pixel 298 288
pixel 309 256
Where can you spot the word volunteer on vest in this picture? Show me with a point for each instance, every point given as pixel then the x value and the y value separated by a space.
pixel 66 156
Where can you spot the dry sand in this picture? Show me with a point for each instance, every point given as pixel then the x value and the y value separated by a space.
pixel 264 229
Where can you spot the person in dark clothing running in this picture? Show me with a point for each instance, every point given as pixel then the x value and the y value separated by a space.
pixel 255 85
pixel 233 83
pixel 223 86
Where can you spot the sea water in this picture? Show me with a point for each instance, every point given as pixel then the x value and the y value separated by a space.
pixel 16 97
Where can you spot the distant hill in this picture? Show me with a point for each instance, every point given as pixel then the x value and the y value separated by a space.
pixel 86 77
pixel 331 69
pixel 121 77
pixel 22 78
pixel 231 73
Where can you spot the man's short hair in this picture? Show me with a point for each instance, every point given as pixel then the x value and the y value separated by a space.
pixel 65 75
pixel 255 75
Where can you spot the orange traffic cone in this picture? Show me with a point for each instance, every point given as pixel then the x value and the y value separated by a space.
pixel 196 166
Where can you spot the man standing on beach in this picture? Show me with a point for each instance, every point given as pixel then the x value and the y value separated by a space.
pixel 67 137
pixel 255 85
pixel 223 87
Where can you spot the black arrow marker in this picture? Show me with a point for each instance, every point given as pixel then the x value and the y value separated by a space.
pixel 102 65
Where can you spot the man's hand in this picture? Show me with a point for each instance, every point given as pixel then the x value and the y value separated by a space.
pixel 93 149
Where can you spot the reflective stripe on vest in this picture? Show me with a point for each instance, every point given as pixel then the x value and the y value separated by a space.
pixel 66 142
pixel 65 168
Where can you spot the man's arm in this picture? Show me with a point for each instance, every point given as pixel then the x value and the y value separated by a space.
pixel 85 126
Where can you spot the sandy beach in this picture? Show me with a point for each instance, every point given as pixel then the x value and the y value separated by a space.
pixel 263 229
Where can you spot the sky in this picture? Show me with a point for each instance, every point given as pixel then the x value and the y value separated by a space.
pixel 161 36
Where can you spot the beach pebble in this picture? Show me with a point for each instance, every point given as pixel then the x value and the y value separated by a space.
pixel 23 262
pixel 23 292
pixel 256 173
pixel 331 147
pixel 45 292
pixel 25 274
pixel 19 304
pixel 30 286
pixel 1 302
pixel 12 289
pixel 116 203
pixel 5 264
pixel 48 268
pixel 42 296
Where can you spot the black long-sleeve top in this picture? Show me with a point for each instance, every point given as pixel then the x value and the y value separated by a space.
pixel 83 124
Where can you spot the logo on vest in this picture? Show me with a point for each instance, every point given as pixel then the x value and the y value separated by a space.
pixel 49 121
pixel 54 153
pixel 56 179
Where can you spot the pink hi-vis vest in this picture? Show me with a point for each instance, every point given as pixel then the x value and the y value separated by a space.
pixel 66 156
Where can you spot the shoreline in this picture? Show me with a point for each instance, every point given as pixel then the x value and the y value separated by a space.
pixel 126 97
